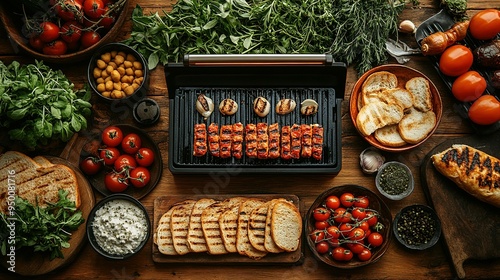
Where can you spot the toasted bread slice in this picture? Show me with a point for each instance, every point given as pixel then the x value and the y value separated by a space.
pixel 196 239
pixel 416 125
pixel 419 87
pixel 42 161
pixel 286 226
pixel 399 96
pixel 257 226
pixel 210 224
pixel 243 245
pixel 389 136
pixel 377 115
pixel 269 243
pixel 179 224
pixel 228 223
pixel 163 236
pixel 374 84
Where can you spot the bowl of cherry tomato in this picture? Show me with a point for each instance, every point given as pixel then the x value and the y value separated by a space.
pixel 121 159
pixel 348 226
pixel 63 31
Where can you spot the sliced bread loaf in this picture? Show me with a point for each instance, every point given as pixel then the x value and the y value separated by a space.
pixel 163 236
pixel 377 115
pixel 286 226
pixel 243 245
pixel 389 136
pixel 196 239
pixel 416 125
pixel 179 224
pixel 419 87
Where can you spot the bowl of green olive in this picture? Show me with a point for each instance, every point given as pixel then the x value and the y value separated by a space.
pixel 417 227
pixel 394 180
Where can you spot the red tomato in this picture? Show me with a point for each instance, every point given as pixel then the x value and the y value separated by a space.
pixel 69 10
pixel 321 225
pixel 347 199
pixel 375 239
pixel 455 60
pixel 140 176
pixel 322 247
pixel 365 255
pixel 371 218
pixel 358 213
pixel 115 182
pixel 364 225
pixel 321 214
pixel 50 31
pixel 345 229
pixel 338 253
pixel 362 201
pixel 341 215
pixel 131 143
pixel 333 232
pixel 106 21
pixel 332 202
pixel 57 47
pixel 145 156
pixel 317 235
pixel 91 165
pixel 485 24
pixel 485 110
pixel 71 31
pixel 125 162
pixel 93 8
pixel 112 136
pixel 90 38
pixel 36 43
pixel 356 234
pixel 356 247
pixel 109 155
pixel 347 255
pixel 469 86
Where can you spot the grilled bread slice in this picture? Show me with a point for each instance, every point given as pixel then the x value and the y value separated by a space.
pixel 416 125
pixel 163 236
pixel 473 170
pixel 196 239
pixel 377 115
pixel 389 136
pixel 420 89
pixel 286 226
pixel 37 183
pixel 243 244
pixel 397 95
pixel 179 224
pixel 269 243
pixel 257 226
pixel 228 223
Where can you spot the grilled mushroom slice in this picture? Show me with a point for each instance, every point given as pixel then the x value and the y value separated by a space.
pixel 285 106
pixel 309 107
pixel 261 106
pixel 228 107
pixel 204 105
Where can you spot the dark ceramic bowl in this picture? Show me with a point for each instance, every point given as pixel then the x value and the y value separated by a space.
pixel 394 196
pixel 417 214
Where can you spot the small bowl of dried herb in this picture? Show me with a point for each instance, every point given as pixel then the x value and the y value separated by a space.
pixel 417 227
pixel 394 180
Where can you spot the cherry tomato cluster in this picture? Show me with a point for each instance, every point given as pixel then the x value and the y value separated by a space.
pixel 469 85
pixel 73 25
pixel 125 158
pixel 345 227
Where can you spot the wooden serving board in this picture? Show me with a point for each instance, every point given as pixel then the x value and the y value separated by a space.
pixel 164 203
pixel 29 263
pixel 471 228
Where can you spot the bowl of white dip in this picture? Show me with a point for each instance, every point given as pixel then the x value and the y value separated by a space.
pixel 118 226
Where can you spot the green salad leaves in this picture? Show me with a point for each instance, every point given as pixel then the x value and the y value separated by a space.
pixel 39 104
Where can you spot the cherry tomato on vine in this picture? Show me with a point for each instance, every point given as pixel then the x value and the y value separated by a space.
pixel 317 235
pixel 358 213
pixel 109 155
pixel 321 224
pixel 355 247
pixel 321 214
pixel 57 47
pixel 332 202
pixel 347 255
pixel 115 182
pixel 140 177
pixel 375 239
pixel 106 21
pixel 485 24
pixel 365 255
pixel 69 10
pixel 89 38
pixel 485 110
pixel 145 156
pixel 455 60
pixel 345 229
pixel 341 215
pixel 36 43
pixel 322 247
pixel 112 136
pixel 93 8
pixel 347 199
pixel 356 234
pixel 333 232
pixel 362 201
pixel 90 165
pixel 469 86
pixel 364 225
pixel 125 162
pixel 131 143
pixel 71 31
pixel 338 253
pixel 50 31
pixel 372 218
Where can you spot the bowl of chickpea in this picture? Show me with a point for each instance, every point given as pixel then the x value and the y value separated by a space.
pixel 118 73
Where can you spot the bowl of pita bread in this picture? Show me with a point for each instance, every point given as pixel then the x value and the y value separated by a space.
pixel 395 107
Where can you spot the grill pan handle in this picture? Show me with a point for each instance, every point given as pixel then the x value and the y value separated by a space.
pixel 257 59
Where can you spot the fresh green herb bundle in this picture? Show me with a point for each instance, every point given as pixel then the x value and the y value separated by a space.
pixel 44 229
pixel 39 104
pixel 352 31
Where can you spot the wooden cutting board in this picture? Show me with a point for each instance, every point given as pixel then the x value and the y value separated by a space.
pixel 164 203
pixel 471 228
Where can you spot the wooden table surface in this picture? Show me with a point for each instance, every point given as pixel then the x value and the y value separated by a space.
pixel 397 263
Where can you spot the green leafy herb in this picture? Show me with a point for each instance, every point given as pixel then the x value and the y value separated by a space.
pixel 352 31
pixel 456 8
pixel 43 229
pixel 39 104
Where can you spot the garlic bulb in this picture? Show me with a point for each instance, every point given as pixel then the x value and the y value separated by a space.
pixel 371 160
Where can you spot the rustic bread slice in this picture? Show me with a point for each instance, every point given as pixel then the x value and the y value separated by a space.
pixel 228 223
pixel 374 84
pixel 196 239
pixel 419 87
pixel 269 243
pixel 163 236
pixel 377 115
pixel 416 125
pixel 210 224
pixel 42 161
pixel 286 226
pixel 243 245
pixel 179 224
pixel 389 136
pixel 257 226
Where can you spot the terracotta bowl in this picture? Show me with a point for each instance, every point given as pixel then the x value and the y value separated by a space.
pixel 13 26
pixel 376 204
pixel 404 73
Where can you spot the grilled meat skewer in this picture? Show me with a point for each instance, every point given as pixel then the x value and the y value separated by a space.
pixel 262 141
pixel 200 140
pixel 213 139
pixel 226 132
pixel 274 140
pixel 251 140
pixel 237 140
pixel 317 141
pixel 285 143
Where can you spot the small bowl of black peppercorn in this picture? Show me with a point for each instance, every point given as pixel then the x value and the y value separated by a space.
pixel 417 227
pixel 394 180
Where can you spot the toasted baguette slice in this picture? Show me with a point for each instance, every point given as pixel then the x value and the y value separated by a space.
pixel 163 235
pixel 269 243
pixel 257 226
pixel 228 223
pixel 196 239
pixel 377 115
pixel 419 87
pixel 243 245
pixel 379 81
pixel 389 136
pixel 473 170
pixel 179 224
pixel 286 226
pixel 210 224
pixel 416 125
